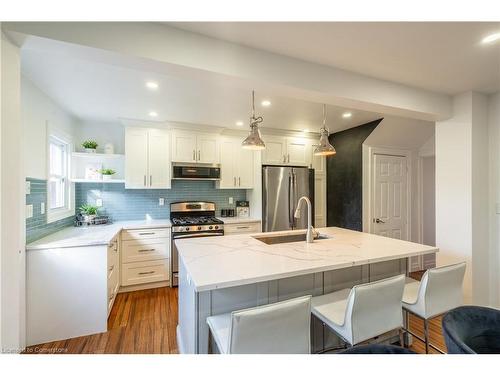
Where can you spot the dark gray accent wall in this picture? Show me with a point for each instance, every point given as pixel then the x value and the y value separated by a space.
pixel 344 187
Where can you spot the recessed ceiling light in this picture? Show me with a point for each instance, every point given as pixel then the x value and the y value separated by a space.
pixel 239 123
pixel 152 85
pixel 347 115
pixel 153 114
pixel 491 38
pixel 265 103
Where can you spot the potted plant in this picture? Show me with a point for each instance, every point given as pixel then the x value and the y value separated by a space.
pixel 89 212
pixel 107 174
pixel 90 145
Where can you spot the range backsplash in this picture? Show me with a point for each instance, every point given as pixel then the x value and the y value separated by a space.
pixel 134 204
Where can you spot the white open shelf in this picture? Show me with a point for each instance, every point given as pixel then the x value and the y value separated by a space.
pixel 113 181
pixel 80 161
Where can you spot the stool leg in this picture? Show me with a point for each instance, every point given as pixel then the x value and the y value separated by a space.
pixel 426 335
pixel 401 338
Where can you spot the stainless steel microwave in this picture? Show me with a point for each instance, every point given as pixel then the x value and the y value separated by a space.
pixel 196 172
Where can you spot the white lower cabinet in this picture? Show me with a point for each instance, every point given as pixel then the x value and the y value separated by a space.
pixel 242 227
pixel 145 256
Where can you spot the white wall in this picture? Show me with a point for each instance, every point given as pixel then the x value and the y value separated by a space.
pixel 428 197
pixel 494 193
pixel 101 132
pixel 38 111
pixel 401 134
pixel 462 193
pixel 12 228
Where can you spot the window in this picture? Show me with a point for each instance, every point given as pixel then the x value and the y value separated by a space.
pixel 59 186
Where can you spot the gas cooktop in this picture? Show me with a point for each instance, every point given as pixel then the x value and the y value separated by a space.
pixel 196 220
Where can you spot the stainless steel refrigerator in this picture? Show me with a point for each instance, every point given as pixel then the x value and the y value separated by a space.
pixel 282 187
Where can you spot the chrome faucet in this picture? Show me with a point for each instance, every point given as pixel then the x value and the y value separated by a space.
pixel 310 230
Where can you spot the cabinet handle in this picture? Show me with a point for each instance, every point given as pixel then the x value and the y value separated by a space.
pixel 194 155
pixel 239 181
pixel 146 273
pixel 150 180
pixel 111 268
pixel 116 247
pixel 289 158
pixel 144 180
pixel 146 233
pixel 284 158
pixel 243 227
pixel 112 296
pixel 199 155
pixel 145 250
pixel 234 181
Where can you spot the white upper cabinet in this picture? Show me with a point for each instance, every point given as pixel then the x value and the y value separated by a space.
pixel 194 147
pixel 147 158
pixel 275 151
pixel 159 159
pixel 184 147
pixel 286 151
pixel 237 165
pixel 136 158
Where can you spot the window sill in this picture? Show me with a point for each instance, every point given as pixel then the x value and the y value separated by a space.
pixel 59 215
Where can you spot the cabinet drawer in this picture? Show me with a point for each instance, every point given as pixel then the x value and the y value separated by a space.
pixel 137 234
pixel 242 228
pixel 145 272
pixel 144 250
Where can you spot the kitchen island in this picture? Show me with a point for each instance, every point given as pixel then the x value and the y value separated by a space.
pixel 222 274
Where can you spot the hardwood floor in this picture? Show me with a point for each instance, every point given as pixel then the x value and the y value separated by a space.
pixel 145 322
pixel 140 322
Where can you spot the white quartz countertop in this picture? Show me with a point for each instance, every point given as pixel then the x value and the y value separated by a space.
pixel 92 235
pixel 238 220
pixel 221 262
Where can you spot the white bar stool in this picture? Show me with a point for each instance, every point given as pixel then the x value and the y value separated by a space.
pixel 277 328
pixel 363 312
pixel 439 290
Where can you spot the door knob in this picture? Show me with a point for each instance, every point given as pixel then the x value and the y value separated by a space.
pixel 378 221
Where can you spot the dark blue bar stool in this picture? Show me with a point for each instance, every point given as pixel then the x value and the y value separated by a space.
pixel 472 330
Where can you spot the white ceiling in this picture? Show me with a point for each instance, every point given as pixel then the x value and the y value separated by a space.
pixel 445 57
pixel 100 92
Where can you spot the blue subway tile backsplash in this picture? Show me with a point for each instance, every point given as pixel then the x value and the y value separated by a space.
pixel 124 204
pixel 134 204
pixel 37 226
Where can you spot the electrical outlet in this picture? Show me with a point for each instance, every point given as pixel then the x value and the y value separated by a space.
pixel 29 211
pixel 42 208
pixel 98 202
pixel 28 187
pixel 230 200
pixel 161 201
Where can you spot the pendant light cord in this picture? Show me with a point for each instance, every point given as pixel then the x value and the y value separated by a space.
pixel 254 120
pixel 324 120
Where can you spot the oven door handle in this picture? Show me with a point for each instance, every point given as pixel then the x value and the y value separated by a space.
pixel 192 235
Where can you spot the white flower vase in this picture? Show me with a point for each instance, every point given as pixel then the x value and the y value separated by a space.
pixel 90 150
pixel 107 177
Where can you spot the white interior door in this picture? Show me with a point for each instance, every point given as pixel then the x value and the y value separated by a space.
pixel 390 193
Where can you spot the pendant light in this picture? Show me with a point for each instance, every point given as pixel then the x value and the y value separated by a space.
pixel 254 140
pixel 324 148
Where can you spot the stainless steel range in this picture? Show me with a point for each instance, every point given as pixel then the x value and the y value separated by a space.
pixel 191 219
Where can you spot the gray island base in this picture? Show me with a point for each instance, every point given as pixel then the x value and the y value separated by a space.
pixel 224 274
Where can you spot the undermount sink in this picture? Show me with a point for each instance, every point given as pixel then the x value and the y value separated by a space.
pixel 286 238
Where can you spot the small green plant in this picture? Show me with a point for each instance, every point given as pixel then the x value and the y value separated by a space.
pixel 88 209
pixel 91 144
pixel 107 172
